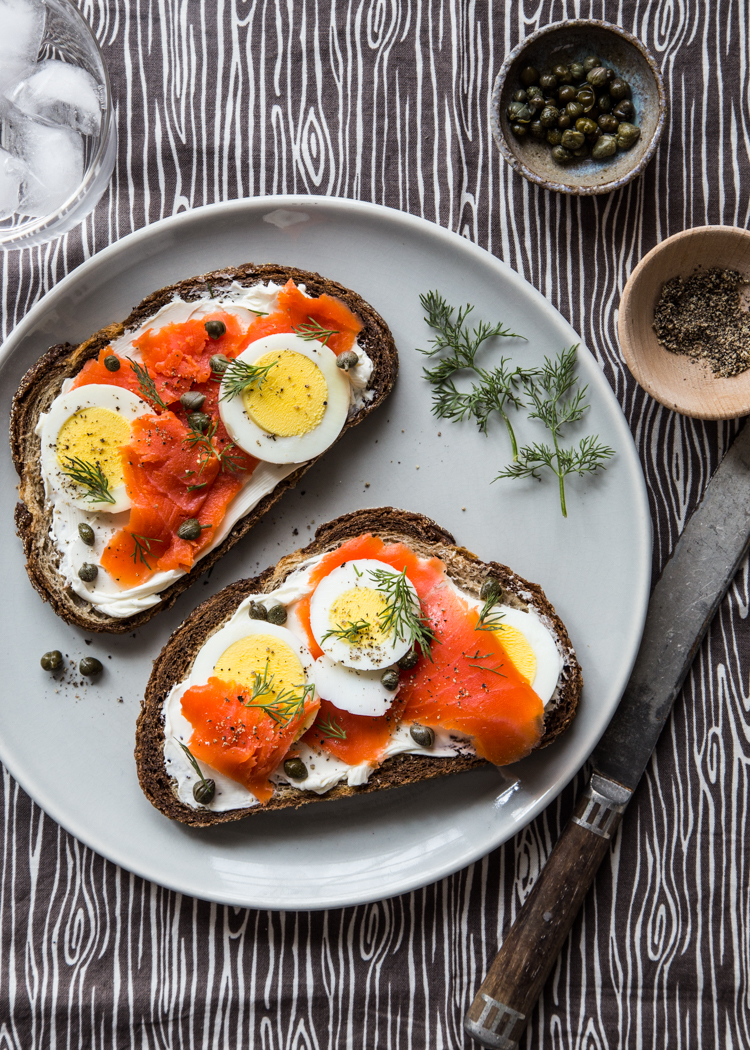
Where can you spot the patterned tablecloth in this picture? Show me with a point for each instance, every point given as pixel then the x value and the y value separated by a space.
pixel 389 102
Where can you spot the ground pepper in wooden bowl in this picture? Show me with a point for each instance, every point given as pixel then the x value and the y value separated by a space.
pixel 701 316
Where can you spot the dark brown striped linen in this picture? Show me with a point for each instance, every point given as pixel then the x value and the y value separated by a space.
pixel 388 102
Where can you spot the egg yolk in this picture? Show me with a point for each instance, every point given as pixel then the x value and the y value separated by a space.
pixel 519 651
pixel 292 398
pixel 359 609
pixel 261 658
pixel 95 435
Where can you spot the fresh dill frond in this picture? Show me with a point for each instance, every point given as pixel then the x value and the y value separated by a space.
pixel 350 631
pixel 203 442
pixel 402 616
pixel 329 727
pixel 89 476
pixel 489 620
pixel 455 349
pixel 142 547
pixel 284 705
pixel 314 330
pixel 146 384
pixel 240 376
pixel 556 404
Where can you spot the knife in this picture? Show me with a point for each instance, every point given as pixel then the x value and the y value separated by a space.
pixel 693 583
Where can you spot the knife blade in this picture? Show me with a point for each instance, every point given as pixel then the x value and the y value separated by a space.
pixel 684 601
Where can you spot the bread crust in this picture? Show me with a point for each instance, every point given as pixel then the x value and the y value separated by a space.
pixel 43 382
pixel 427 539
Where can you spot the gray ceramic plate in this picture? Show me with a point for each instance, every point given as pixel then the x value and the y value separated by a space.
pixel 71 747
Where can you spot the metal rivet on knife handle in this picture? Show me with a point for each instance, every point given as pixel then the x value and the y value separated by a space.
pixel 498 1015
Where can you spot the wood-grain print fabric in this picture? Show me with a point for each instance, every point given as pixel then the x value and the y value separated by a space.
pixel 388 101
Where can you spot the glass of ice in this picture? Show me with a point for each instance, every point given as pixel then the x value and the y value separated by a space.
pixel 58 141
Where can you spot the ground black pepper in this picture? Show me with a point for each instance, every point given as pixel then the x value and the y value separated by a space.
pixel 702 317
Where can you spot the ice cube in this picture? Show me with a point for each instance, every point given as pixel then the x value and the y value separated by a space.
pixel 54 161
pixel 21 31
pixel 12 171
pixel 58 93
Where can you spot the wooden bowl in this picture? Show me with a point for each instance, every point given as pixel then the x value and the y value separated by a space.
pixel 682 383
pixel 567 42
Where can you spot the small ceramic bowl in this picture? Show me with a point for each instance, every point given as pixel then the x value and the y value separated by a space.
pixel 682 383
pixel 567 42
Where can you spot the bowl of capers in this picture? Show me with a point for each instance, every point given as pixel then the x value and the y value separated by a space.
pixel 579 107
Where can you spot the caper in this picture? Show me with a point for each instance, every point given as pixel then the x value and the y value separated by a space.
pixel 536 130
pixel 190 529
pixel 564 121
pixel 627 135
pixel 491 588
pixel 88 572
pixel 529 76
pixel 192 401
pixel 257 611
pixel 624 110
pixel 577 71
pixel 215 330
pixel 52 661
pixel 219 363
pixel 390 678
pixel 519 130
pixel 598 77
pixel 574 110
pixel 585 97
pixel 112 363
pixel 520 96
pixel 562 73
pixel 605 103
pixel 547 82
pixel 573 139
pixel 423 736
pixel 199 421
pixel 409 660
pixel 89 666
pixel 548 116
pixel 295 768
pixel 86 533
pixel 591 63
pixel 204 791
pixel 277 614
pixel 566 93
pixel 585 125
pixel 554 136
pixel 619 88
pixel 604 147
pixel 519 113
pixel 608 122
pixel 347 360
pixel 535 94
pixel 561 155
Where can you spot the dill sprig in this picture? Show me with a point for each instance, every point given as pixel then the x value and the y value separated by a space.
pixel 329 727
pixel 204 443
pixel 146 384
pixel 240 376
pixel 556 405
pixel 142 547
pixel 402 616
pixel 89 476
pixel 285 705
pixel 489 621
pixel 349 631
pixel 455 349
pixel 314 330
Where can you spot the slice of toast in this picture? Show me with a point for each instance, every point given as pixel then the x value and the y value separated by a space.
pixel 42 384
pixel 425 538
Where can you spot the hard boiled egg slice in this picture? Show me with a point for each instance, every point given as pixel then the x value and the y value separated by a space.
pixel 81 439
pixel 296 410
pixel 347 613
pixel 531 649
pixel 359 692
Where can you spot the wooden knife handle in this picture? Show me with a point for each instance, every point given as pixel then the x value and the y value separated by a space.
pixel 508 994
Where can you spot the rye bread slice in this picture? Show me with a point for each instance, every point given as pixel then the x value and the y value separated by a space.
pixel 43 382
pixel 428 540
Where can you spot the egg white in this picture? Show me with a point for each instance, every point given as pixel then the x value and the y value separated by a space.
pixel 359 692
pixel 549 662
pixel 95 395
pixel 297 448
